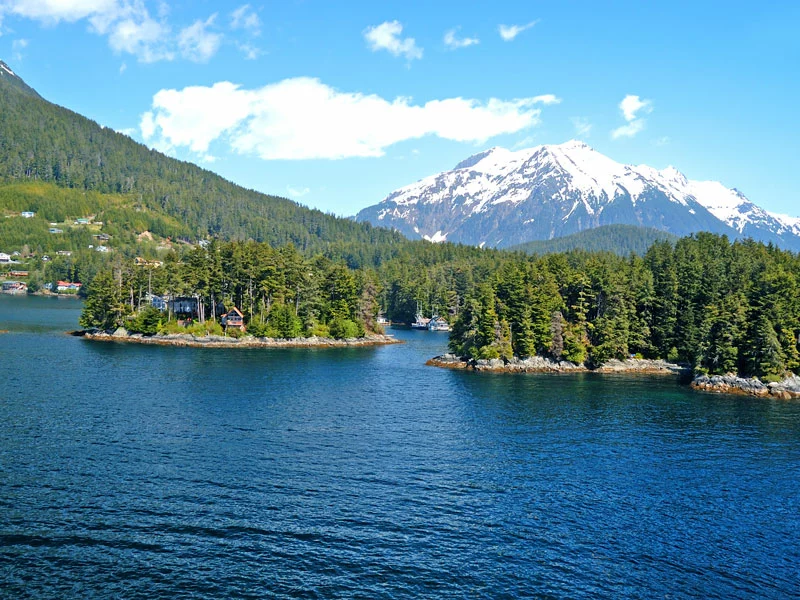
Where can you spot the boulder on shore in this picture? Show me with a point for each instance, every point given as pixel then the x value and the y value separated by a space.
pixel 732 384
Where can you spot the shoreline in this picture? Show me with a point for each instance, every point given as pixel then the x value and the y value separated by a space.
pixel 214 341
pixel 539 364
pixel 787 389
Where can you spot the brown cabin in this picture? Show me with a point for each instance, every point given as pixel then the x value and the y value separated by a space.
pixel 233 318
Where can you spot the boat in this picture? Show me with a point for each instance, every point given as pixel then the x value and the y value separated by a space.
pixel 438 324
pixel 421 322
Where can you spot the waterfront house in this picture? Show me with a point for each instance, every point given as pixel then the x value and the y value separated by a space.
pixel 14 287
pixel 68 287
pixel 183 305
pixel 157 302
pixel 233 318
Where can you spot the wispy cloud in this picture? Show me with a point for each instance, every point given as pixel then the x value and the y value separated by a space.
pixel 302 118
pixel 631 108
pixel 17 48
pixel 197 43
pixel 547 99
pixel 582 126
pixel 509 32
pixel 386 36
pixel 246 18
pixel 453 42
pixel 297 192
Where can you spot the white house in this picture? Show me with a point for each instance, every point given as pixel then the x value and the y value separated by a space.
pixel 27 214
pixel 4 258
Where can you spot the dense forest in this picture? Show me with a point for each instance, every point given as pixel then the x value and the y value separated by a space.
pixel 717 306
pixel 620 239
pixel 703 301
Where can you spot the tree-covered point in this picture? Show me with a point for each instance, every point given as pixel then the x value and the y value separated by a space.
pixel 619 239
pixel 281 293
pixel 718 306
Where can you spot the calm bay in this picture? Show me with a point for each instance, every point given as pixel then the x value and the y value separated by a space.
pixel 139 471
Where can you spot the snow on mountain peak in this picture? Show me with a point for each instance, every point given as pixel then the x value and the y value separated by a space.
pixel 562 188
pixel 6 68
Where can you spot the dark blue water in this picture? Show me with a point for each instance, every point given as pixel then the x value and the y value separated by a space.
pixel 130 471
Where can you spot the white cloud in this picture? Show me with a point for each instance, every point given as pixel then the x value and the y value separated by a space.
pixel 250 52
pixel 630 107
pixel 386 36
pixel 54 11
pixel 452 41
pixel 138 35
pixel 246 18
pixel 509 32
pixel 17 46
pixel 547 99
pixel 582 126
pixel 297 192
pixel 302 118
pixel 197 43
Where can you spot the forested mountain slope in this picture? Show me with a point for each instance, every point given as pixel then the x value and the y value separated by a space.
pixel 45 143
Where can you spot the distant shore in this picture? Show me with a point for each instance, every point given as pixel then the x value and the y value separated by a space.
pixel 539 364
pixel 216 341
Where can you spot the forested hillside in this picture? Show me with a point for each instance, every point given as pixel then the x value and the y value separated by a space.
pixel 44 143
pixel 620 239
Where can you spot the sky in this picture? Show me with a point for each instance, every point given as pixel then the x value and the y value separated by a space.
pixel 336 105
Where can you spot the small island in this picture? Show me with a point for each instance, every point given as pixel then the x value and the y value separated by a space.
pixel 234 295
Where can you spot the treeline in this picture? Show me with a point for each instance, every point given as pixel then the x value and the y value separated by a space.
pixel 717 306
pixel 280 292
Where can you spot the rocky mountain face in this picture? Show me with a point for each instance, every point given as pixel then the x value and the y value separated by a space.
pixel 500 198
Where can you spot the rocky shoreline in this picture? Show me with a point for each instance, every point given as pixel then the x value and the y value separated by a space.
pixel 786 389
pixel 539 364
pixel 216 341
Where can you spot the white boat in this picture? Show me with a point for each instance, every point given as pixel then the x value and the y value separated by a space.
pixel 438 324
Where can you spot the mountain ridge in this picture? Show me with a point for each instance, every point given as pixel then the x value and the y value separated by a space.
pixel 501 198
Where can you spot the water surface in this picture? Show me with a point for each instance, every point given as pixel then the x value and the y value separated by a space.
pixel 138 471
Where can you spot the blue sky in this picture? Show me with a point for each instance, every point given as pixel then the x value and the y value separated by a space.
pixel 337 104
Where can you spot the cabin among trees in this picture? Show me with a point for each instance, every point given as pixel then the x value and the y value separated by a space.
pixel 233 319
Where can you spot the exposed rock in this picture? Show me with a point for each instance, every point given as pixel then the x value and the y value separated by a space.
pixel 731 384
pixel 216 341
pixel 540 364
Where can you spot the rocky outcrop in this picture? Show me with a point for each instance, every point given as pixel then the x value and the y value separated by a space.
pixel 731 384
pixel 540 364
pixel 217 341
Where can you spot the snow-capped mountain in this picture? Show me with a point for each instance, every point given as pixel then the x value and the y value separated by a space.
pixel 502 198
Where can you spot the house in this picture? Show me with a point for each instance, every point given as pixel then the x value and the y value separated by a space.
pixel 68 287
pixel 18 273
pixel 64 253
pixel 103 249
pixel 83 221
pixel 233 318
pixel 45 258
pixel 14 287
pixel 143 262
pixel 103 237
pixel 183 305
pixel 26 214
pixel 56 230
pixel 4 258
pixel 157 302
